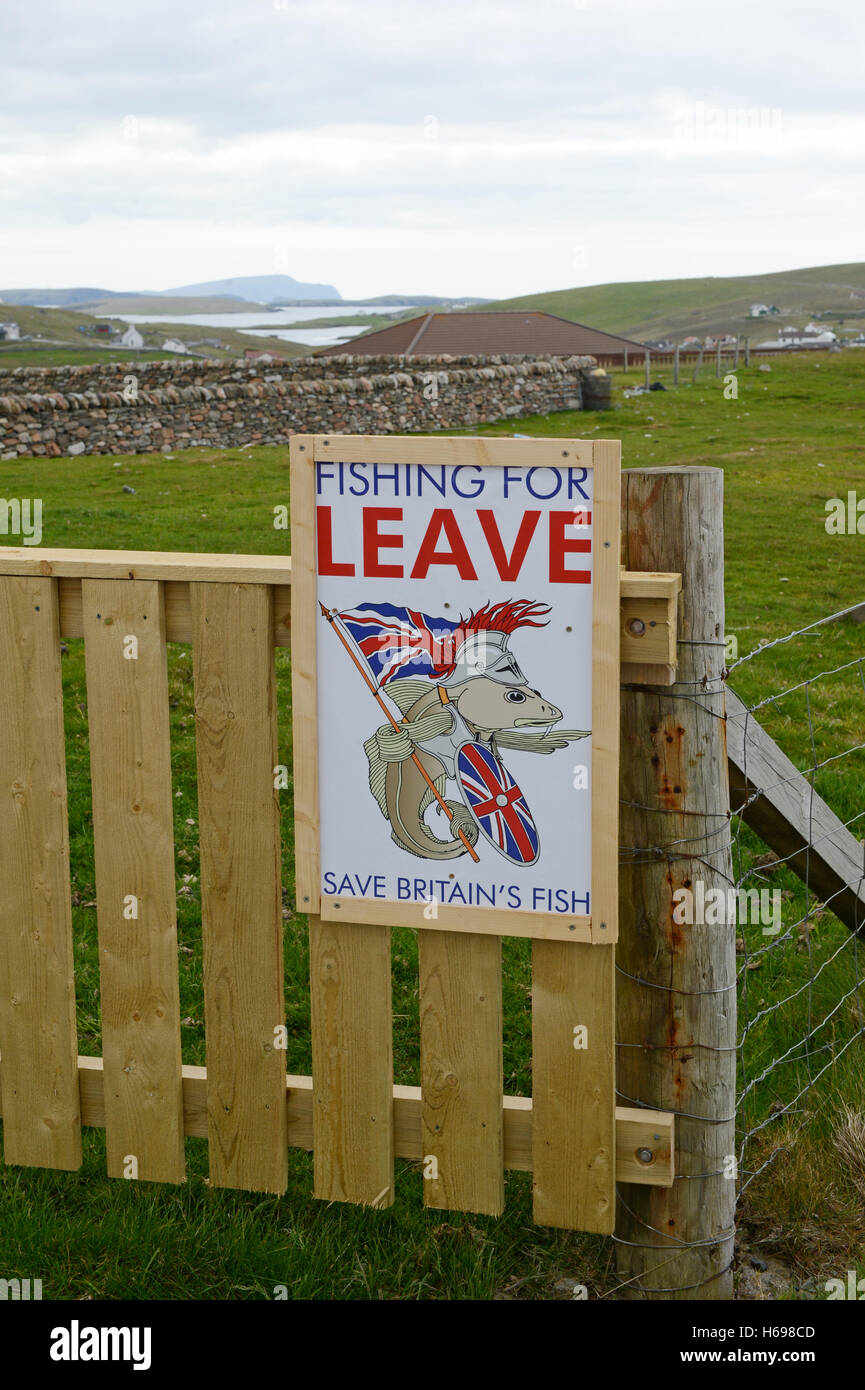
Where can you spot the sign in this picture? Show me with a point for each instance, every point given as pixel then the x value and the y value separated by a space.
pixel 455 633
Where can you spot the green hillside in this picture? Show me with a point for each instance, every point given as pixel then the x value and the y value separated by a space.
pixel 53 330
pixel 674 308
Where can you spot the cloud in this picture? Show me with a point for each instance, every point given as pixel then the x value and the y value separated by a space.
pixel 376 141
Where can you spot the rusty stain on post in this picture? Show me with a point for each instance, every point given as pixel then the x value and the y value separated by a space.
pixel 676 986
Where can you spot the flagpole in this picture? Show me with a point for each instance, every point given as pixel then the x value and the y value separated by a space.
pixel 331 618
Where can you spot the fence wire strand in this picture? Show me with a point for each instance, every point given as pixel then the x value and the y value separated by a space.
pixel 793 1027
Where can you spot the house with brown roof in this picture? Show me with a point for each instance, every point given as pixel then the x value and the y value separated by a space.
pixel 486 333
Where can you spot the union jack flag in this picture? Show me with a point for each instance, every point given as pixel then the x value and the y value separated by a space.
pixel 397 641
pixel 497 804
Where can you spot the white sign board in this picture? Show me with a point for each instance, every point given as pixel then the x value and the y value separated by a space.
pixel 449 590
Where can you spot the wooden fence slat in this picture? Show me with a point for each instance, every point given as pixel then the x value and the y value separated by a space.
pixel 241 896
pixel 779 803
pixel 41 1114
pixel 461 1070
pixel 573 1088
pixel 352 1062
pixel 133 834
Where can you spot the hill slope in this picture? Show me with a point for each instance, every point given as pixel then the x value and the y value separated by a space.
pixel 673 308
pixel 60 328
pixel 261 289
pixel 161 305
pixel 241 290
pixel 63 298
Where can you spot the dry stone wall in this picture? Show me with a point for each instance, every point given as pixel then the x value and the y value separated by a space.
pixel 115 408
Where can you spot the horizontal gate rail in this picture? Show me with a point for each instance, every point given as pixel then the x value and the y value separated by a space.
pixel 644 1138
pixel 646 598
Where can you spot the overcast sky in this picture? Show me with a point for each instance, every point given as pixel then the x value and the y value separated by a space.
pixel 441 146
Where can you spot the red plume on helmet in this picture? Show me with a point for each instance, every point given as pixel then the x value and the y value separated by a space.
pixel 506 616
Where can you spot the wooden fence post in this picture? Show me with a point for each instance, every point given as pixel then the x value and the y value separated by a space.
pixel 747 352
pixel 676 365
pixel 625 360
pixel 736 356
pixel 718 358
pixel 647 362
pixel 699 362
pixel 676 985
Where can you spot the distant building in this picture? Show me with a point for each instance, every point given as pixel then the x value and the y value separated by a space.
pixel 174 345
pixel 805 337
pixel 759 311
pixel 802 338
pixel 104 330
pixel 9 332
pixel 131 338
pixel 489 333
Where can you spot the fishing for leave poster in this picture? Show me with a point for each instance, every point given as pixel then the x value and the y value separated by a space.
pixel 453 611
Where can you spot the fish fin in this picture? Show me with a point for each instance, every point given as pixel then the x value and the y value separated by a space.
pixel 538 743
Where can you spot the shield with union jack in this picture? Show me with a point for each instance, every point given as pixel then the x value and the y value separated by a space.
pixel 496 803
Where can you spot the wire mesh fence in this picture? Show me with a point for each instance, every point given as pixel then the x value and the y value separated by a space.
pixel 795 898
pixel 801 987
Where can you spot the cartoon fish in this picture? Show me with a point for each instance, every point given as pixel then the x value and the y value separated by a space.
pixel 471 693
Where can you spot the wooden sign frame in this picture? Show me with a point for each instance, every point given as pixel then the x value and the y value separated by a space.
pixel 603 458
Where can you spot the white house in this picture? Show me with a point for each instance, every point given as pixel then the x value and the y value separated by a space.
pixel 759 310
pixel 132 338
pixel 174 345
pixel 9 331
pixel 801 338
pixel 811 336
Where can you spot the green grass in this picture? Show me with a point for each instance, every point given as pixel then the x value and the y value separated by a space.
pixel 659 308
pixel 792 439
pixel 348 320
pixel 74 357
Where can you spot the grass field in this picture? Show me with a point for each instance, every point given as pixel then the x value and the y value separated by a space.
pixel 792 439
pixel 649 309
pixel 29 356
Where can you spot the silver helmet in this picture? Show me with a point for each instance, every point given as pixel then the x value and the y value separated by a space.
pixel 485 653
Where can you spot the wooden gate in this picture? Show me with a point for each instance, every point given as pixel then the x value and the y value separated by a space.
pixel 234 609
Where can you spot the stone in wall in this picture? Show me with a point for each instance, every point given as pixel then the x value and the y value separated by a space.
pixel 180 404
